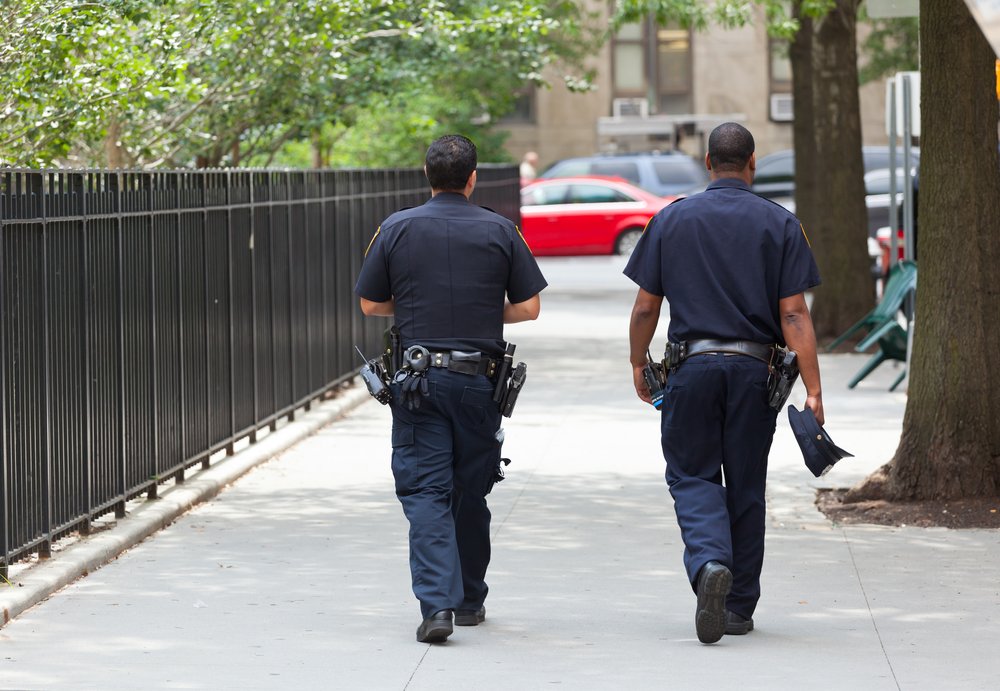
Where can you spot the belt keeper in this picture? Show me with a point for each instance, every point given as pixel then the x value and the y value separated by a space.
pixel 439 359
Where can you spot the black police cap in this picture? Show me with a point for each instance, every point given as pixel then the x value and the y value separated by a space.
pixel 818 450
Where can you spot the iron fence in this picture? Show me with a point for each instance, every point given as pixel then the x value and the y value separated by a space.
pixel 149 320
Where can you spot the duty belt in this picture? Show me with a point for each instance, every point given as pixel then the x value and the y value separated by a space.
pixel 464 363
pixel 678 352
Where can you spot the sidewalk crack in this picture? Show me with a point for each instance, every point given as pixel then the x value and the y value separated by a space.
pixel 871 615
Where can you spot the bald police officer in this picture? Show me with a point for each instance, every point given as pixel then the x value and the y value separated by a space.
pixel 452 274
pixel 734 268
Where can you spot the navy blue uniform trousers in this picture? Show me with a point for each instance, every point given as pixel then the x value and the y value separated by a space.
pixel 716 433
pixel 444 454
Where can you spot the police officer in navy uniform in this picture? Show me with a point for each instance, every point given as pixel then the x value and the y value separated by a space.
pixel 452 274
pixel 733 268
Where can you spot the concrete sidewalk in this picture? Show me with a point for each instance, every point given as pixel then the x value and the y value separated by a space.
pixel 296 575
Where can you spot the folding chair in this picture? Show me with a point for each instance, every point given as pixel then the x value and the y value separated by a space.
pixel 891 339
pixel 902 279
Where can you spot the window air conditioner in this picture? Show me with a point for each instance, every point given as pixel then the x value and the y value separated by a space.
pixel 630 108
pixel 782 108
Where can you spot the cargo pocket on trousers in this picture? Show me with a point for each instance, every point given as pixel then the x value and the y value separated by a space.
pixel 404 471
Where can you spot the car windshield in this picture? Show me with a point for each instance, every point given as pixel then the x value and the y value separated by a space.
pixel 877 181
pixel 541 195
pixel 596 194
pixel 779 168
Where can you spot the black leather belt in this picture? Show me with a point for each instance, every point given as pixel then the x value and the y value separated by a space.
pixel 707 345
pixel 464 363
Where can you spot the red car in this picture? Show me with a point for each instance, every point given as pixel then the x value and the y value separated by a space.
pixel 585 215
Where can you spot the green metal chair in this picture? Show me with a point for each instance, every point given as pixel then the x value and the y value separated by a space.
pixel 902 279
pixel 891 339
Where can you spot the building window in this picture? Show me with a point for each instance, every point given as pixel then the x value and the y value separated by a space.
pixel 780 77
pixel 645 54
pixel 522 111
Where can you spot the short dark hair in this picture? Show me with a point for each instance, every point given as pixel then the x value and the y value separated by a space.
pixel 450 161
pixel 730 147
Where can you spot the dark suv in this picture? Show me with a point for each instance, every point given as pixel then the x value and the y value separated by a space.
pixel 663 174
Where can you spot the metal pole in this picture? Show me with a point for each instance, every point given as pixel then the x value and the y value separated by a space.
pixel 908 244
pixel 909 305
pixel 893 201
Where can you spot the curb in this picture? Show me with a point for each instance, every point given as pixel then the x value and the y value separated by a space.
pixel 94 551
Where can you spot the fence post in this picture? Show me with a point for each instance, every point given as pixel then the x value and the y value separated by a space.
pixel 120 264
pixel 4 448
pixel 232 316
pixel 153 490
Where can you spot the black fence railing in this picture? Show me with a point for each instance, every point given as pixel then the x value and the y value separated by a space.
pixel 149 320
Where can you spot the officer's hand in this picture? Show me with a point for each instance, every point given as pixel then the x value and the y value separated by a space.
pixel 815 404
pixel 640 385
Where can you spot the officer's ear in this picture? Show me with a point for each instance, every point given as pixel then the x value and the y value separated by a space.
pixel 708 162
pixel 470 184
pixel 753 162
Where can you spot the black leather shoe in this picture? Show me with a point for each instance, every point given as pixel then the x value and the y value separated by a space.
pixel 714 582
pixel 435 628
pixel 738 625
pixel 469 617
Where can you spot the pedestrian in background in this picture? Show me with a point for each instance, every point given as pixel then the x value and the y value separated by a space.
pixel 734 269
pixel 452 274
pixel 529 167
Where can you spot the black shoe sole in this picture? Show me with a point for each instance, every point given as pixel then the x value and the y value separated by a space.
pixel 470 618
pixel 741 629
pixel 710 617
pixel 435 632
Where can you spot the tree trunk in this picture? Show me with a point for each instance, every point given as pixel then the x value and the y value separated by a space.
pixel 950 445
pixel 839 225
pixel 113 152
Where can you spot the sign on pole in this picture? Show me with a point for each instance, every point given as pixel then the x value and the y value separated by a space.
pixel 914 79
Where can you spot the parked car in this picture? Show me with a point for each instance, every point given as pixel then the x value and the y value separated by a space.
pixel 775 176
pixel 585 215
pixel 877 198
pixel 662 174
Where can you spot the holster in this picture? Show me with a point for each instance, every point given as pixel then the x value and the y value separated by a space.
pixel 784 371
pixel 510 380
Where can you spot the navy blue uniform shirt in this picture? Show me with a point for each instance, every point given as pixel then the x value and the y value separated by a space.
pixel 723 259
pixel 448 265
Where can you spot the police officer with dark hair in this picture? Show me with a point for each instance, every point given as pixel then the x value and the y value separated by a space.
pixel 734 269
pixel 452 274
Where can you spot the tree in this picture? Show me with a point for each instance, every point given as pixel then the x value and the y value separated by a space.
pixel 829 196
pixel 828 159
pixel 173 82
pixel 950 444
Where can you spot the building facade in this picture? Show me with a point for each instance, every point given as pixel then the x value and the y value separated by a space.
pixel 660 88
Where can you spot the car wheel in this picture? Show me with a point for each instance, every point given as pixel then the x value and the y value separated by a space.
pixel 627 241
